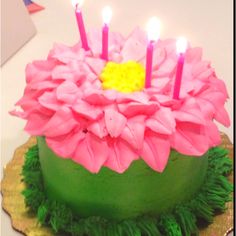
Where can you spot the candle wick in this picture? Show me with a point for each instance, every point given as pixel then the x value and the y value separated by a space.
pixel 77 8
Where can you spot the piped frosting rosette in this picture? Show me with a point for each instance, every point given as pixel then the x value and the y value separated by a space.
pixel 65 101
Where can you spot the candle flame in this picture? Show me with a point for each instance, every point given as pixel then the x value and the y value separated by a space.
pixel 153 29
pixel 181 45
pixel 77 3
pixel 107 14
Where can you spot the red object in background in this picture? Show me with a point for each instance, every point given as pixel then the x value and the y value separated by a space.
pixel 32 7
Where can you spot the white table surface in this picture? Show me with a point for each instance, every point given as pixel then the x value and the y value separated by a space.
pixel 206 23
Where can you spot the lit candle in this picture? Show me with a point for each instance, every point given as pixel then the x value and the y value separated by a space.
pixel 181 46
pixel 153 29
pixel 106 14
pixel 79 17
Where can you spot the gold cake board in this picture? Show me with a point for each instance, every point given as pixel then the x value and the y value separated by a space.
pixel 26 223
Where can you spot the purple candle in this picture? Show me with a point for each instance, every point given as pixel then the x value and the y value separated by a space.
pixel 181 46
pixel 79 17
pixel 106 14
pixel 153 36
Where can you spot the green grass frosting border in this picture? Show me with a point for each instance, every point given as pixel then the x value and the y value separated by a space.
pixel 184 220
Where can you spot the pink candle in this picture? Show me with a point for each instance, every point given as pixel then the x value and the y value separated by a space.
pixel 149 59
pixel 181 46
pixel 81 27
pixel 153 29
pixel 178 77
pixel 105 38
pixel 106 14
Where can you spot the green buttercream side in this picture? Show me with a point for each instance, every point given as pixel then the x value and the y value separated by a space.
pixel 138 191
pixel 211 197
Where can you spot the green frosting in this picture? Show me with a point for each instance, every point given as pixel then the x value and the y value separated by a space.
pixel 138 191
pixel 183 220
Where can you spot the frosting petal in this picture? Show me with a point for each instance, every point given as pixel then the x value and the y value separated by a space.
pixel 87 111
pixel 134 47
pixel 39 71
pixel 98 128
pixel 115 122
pixel 189 139
pixel 135 108
pixel 91 153
pixel 156 149
pixel 66 54
pixel 61 123
pixel 66 92
pixel 101 98
pixel 120 156
pixel 222 116
pixel 193 55
pixel 162 122
pixel 190 112
pixel 133 132
pixel 49 100
pixel 60 144
pixel 35 124
pixel 213 134
pixel 216 100
pixel 95 64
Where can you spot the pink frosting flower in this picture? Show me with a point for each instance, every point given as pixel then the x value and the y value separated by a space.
pixel 64 101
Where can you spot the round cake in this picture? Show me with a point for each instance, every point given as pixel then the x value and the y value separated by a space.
pixel 115 158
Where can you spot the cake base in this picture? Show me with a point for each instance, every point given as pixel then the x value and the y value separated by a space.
pixel 22 221
pixel 138 191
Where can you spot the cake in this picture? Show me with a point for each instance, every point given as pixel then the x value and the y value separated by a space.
pixel 114 158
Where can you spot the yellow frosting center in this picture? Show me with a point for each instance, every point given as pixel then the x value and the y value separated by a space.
pixel 126 77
